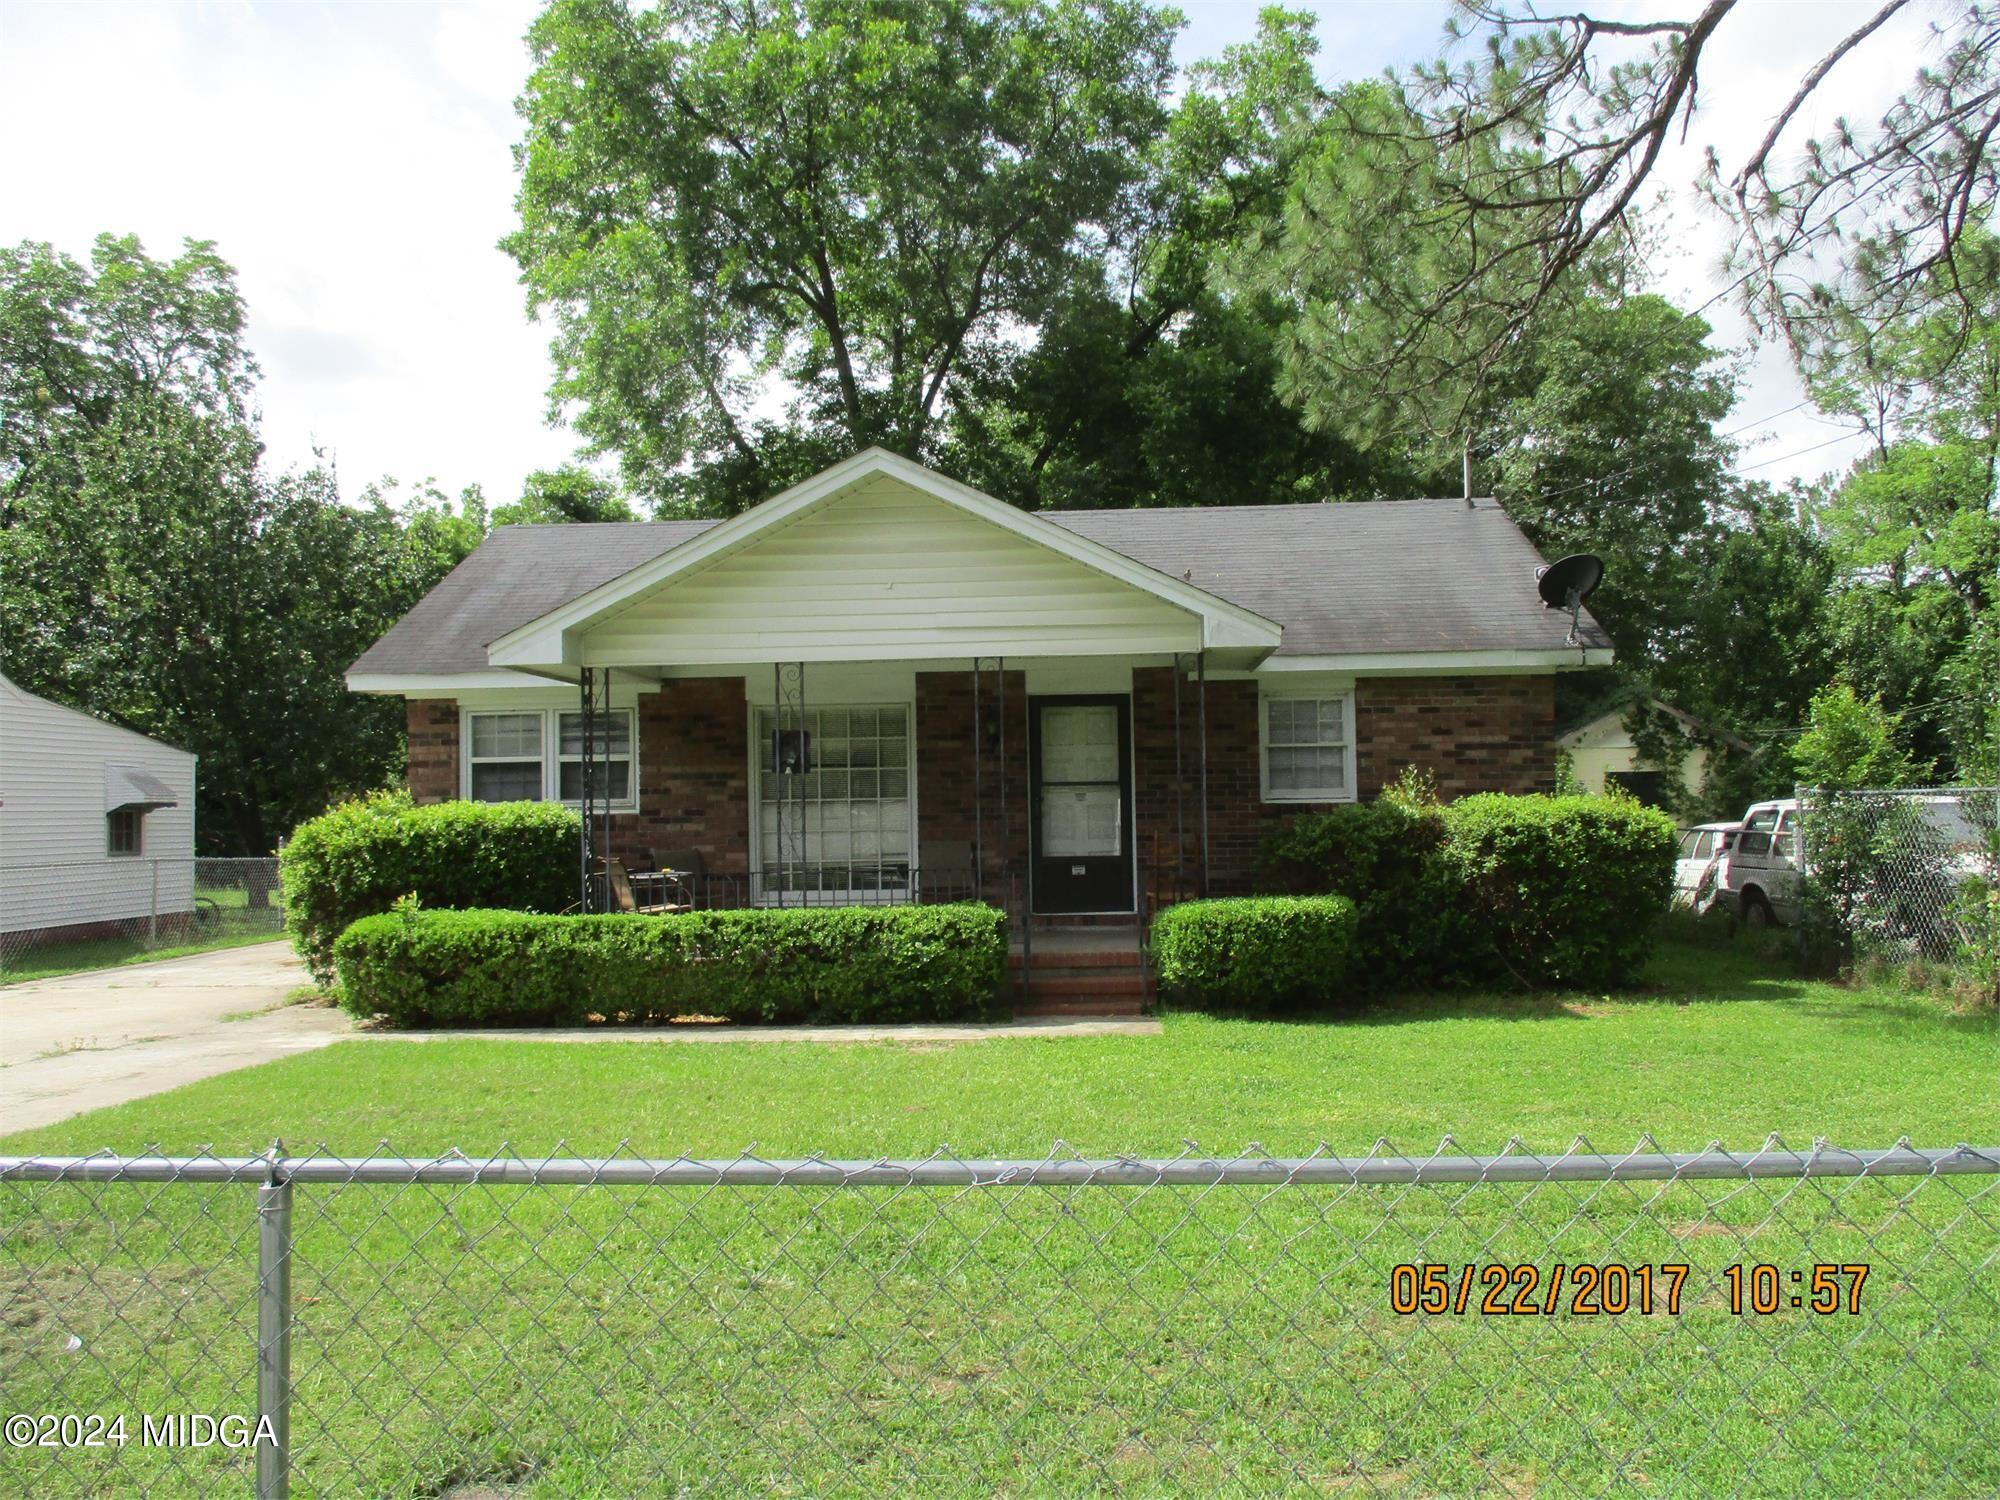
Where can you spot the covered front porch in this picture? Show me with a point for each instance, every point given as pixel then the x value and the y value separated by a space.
pixel 937 698
pixel 1072 790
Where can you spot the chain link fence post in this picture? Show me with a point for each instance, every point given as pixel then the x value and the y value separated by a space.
pixel 274 1331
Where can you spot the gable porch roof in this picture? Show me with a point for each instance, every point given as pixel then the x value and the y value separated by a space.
pixel 561 638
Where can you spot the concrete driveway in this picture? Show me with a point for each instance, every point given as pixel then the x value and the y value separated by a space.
pixel 87 1040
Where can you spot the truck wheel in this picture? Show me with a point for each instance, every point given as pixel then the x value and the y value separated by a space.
pixel 1757 911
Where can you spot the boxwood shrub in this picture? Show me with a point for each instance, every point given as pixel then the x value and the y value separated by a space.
pixel 829 965
pixel 360 857
pixel 1562 890
pixel 1540 889
pixel 1382 855
pixel 1255 952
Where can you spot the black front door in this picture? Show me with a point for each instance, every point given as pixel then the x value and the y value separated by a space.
pixel 1080 785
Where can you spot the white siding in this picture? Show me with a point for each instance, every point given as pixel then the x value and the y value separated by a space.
pixel 53 865
pixel 1604 746
pixel 887 570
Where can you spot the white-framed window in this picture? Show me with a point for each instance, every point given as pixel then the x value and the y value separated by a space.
pixel 612 752
pixel 536 755
pixel 847 824
pixel 505 755
pixel 124 830
pixel 1306 744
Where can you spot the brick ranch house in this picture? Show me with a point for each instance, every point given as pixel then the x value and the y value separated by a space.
pixel 1071 711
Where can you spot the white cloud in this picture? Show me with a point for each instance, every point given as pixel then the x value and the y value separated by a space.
pixel 353 162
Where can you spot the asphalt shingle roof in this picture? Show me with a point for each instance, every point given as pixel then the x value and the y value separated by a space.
pixel 1368 576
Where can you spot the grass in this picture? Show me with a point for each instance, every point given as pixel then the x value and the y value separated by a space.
pixel 232 925
pixel 597 1341
pixel 1715 1045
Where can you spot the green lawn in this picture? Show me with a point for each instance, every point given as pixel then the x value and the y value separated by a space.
pixel 1715 1046
pixel 1030 1341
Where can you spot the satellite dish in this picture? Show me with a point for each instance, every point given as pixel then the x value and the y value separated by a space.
pixel 1567 582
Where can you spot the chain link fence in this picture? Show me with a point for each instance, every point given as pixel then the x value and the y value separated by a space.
pixel 1906 873
pixel 1820 1322
pixel 59 917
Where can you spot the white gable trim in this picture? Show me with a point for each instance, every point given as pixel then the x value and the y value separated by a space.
pixel 1443 663
pixel 446 684
pixel 545 641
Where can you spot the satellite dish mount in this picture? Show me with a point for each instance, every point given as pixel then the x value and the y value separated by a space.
pixel 1566 583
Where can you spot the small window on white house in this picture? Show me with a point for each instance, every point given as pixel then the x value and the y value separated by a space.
pixel 505 760
pixel 124 827
pixel 612 752
pixel 1308 749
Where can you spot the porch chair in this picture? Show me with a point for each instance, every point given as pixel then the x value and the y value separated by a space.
pixel 622 897
pixel 681 870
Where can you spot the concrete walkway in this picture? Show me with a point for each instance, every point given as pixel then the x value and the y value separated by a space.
pixel 694 1032
pixel 83 1041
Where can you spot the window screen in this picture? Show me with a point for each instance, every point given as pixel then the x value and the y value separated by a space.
pixel 1306 748
pixel 852 835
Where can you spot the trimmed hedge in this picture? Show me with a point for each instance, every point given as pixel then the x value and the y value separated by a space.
pixel 1550 890
pixel 359 858
pixel 829 965
pixel 1563 890
pixel 1382 855
pixel 1255 951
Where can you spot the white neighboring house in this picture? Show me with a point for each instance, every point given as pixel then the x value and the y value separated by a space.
pixel 1602 753
pixel 96 822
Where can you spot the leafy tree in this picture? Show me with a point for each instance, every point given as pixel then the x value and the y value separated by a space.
pixel 1151 382
pixel 1915 524
pixel 1194 418
pixel 1849 742
pixel 150 572
pixel 1605 441
pixel 1459 202
pixel 77 341
pixel 571 493
pixel 853 201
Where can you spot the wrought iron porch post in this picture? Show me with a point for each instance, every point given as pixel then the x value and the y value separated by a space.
pixel 785 838
pixel 586 681
pixel 1201 700
pixel 1180 787
pixel 599 780
pixel 805 761
pixel 978 794
pixel 1006 833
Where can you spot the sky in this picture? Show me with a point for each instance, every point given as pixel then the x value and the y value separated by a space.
pixel 354 162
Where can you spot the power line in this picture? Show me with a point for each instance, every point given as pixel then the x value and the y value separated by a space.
pixel 1771 418
pixel 1845 437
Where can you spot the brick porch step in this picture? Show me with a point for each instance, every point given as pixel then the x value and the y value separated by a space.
pixel 1085 986
pixel 1046 961
pixel 1102 1006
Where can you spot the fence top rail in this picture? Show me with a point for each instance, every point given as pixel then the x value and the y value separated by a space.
pixel 946 1170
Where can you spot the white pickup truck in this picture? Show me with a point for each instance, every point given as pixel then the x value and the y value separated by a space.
pixel 1698 866
pixel 1758 877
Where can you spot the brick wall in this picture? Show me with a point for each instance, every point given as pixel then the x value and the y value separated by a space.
pixel 946 761
pixel 694 776
pixel 1472 733
pixel 694 786
pixel 1238 818
pixel 1475 734
pixel 433 740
